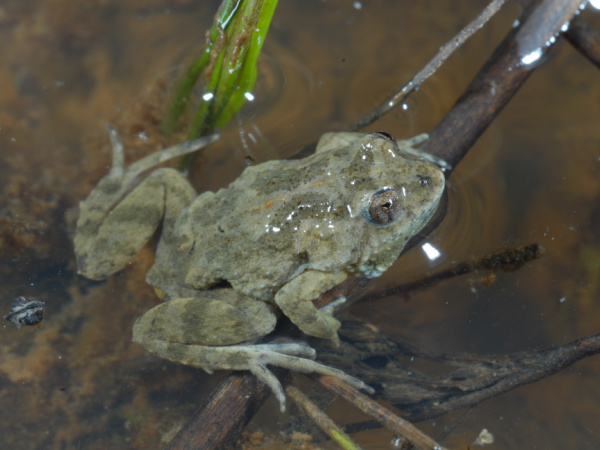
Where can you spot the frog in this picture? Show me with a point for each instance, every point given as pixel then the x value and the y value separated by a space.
pixel 228 264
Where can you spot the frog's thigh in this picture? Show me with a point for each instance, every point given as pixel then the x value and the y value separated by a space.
pixel 295 300
pixel 102 249
pixel 204 321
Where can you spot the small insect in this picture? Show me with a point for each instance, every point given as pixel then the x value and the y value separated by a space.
pixel 26 311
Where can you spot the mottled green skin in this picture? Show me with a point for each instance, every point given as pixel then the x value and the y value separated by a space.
pixel 281 234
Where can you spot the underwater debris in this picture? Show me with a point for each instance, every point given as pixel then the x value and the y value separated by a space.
pixel 26 311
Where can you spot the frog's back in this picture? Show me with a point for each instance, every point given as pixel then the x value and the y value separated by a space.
pixel 280 218
pixel 243 234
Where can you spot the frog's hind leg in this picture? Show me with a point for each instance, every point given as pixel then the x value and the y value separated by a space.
pixel 104 245
pixel 106 241
pixel 215 334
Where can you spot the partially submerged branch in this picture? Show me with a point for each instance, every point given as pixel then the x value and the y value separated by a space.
pixel 585 39
pixel 505 259
pixel 225 414
pixel 522 51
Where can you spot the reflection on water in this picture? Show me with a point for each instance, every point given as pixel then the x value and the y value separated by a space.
pixel 78 381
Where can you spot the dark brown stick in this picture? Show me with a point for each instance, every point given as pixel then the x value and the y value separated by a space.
pixel 585 39
pixel 457 381
pixel 225 414
pixel 503 259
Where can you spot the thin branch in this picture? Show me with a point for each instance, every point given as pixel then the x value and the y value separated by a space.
pixel 504 259
pixel 388 419
pixel 466 380
pixel 516 370
pixel 434 64
pixel 322 420
pixel 224 415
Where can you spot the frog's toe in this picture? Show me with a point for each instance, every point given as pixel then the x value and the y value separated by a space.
pixel 292 349
pixel 288 356
pixel 255 358
pixel 332 307
pixel 260 371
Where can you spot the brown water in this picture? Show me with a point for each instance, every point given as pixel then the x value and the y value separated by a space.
pixel 69 67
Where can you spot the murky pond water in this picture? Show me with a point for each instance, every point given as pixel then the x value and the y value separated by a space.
pixel 70 67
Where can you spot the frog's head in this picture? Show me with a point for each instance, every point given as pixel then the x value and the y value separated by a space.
pixel 393 194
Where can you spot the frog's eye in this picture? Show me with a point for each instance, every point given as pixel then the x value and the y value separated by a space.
pixel 386 136
pixel 385 206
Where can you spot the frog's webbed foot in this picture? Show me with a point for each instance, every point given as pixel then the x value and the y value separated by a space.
pixel 255 358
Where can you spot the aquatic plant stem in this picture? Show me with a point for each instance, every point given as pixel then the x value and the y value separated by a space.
pixel 228 63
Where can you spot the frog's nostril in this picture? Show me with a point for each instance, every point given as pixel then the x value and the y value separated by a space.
pixel 424 180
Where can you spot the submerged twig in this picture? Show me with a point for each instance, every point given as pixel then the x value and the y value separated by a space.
pixel 463 380
pixel 388 419
pixel 322 420
pixel 504 259
pixel 225 414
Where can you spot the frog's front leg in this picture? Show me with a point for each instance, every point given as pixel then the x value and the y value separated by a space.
pixel 117 219
pixel 295 300
pixel 210 334
pixel 409 146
